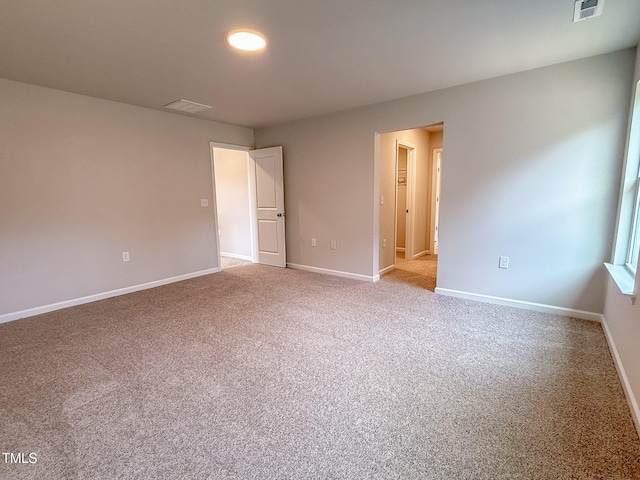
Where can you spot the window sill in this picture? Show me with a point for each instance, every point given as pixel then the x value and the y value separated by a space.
pixel 623 279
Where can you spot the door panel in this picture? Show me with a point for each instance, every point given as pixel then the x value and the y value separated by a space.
pixel 265 186
pixel 268 236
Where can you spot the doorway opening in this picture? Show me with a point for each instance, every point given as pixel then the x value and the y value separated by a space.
pixel 411 175
pixel 233 206
pixel 248 192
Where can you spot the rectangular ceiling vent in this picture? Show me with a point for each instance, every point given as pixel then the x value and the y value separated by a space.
pixel 187 106
pixel 584 9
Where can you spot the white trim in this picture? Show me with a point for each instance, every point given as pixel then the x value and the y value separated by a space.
pixel 536 307
pixel 337 273
pixel 216 224
pixel 410 204
pixel 30 312
pixel 230 146
pixel 386 270
pixel 410 235
pixel 420 254
pixel 253 205
pixel 623 279
pixel 626 386
pixel 436 189
pixel 238 256
pixel 399 249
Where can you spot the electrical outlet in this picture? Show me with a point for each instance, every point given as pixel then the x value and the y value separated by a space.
pixel 314 243
pixel 381 199
pixel 504 262
pixel 384 243
pixel 204 202
pixel 125 256
pixel 334 245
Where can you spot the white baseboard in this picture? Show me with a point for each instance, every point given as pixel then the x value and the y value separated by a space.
pixel 536 307
pixel 399 249
pixel 30 312
pixel 238 256
pixel 622 374
pixel 386 270
pixel 420 254
pixel 337 273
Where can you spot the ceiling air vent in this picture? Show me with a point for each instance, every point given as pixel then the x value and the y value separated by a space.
pixel 584 9
pixel 187 106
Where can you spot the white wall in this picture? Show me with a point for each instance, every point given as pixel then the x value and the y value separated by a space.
pixel 622 323
pixel 233 202
pixel 436 139
pixel 328 193
pixel 83 179
pixel 532 168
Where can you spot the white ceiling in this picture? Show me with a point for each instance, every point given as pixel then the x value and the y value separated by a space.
pixel 322 55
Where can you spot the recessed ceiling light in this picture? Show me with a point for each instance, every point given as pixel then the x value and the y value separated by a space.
pixel 246 40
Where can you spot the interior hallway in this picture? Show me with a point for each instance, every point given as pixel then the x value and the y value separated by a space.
pixel 421 272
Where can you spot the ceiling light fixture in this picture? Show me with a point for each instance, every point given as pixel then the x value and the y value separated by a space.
pixel 246 40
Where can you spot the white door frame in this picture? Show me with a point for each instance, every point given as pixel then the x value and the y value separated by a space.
pixel 252 197
pixel 411 199
pixel 435 200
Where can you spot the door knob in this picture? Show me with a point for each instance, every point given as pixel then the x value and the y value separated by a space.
pixel 280 215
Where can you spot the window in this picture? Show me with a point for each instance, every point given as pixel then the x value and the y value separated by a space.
pixel 634 241
pixel 624 266
pixel 633 175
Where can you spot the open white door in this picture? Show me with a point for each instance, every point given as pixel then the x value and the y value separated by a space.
pixel 269 187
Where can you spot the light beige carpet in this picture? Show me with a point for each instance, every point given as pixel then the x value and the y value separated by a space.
pixel 230 262
pixel 266 373
pixel 421 272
